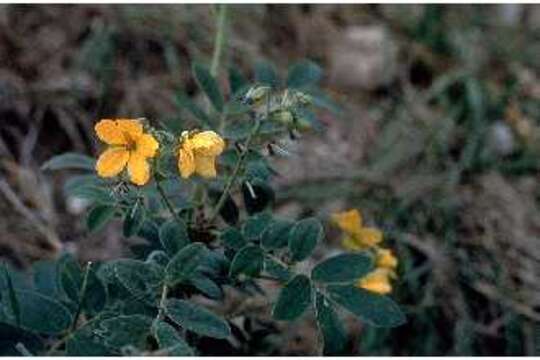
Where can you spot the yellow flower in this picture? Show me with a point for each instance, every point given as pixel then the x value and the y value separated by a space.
pixel 129 146
pixel 377 281
pixel 357 237
pixel 348 221
pixel 386 259
pixel 198 152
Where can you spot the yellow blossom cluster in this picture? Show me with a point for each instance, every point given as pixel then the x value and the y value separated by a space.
pixel 129 146
pixel 358 237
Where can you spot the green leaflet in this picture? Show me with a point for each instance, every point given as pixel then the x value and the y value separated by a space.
pixel 293 299
pixel 376 309
pixel 196 318
pixel 342 268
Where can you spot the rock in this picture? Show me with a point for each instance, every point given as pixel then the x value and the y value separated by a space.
pixel 364 58
pixel 501 139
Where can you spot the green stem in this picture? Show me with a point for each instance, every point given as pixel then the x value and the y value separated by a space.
pixel 240 163
pixel 166 201
pixel 220 39
pixel 236 170
pixel 197 201
pixel 82 294
pixel 161 311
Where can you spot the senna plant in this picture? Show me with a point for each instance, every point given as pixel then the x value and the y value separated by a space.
pixel 200 199
pixel 177 192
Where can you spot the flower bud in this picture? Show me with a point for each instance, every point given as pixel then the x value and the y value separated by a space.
pixel 256 95
pixel 284 117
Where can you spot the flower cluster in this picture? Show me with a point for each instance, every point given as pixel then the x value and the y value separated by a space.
pixel 357 237
pixel 131 147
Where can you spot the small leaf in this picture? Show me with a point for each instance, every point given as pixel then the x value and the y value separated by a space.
pixel 214 263
pixel 168 339
pixel 206 286
pixel 173 236
pixel 376 309
pixel 293 299
pixel 197 319
pixel 232 238
pixel 96 295
pixel 255 225
pixel 334 335
pixel 276 269
pixel 184 263
pixel 342 268
pixel 71 277
pixel 39 313
pixel 248 261
pixel 265 73
pixel 304 73
pixel 125 330
pixel 99 216
pixel 304 237
pixel 134 219
pixel 88 187
pixel 276 235
pixel 209 85
pixel 70 161
pixel 141 279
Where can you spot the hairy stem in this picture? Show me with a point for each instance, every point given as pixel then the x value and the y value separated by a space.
pixel 219 43
pixel 82 294
pixel 166 201
pixel 232 179
pixel 161 311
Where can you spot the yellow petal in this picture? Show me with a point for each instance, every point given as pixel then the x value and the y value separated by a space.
pixel 205 166
pixel 108 132
pixel 351 244
pixel 376 281
pixel 207 143
pixel 138 169
pixel 348 221
pixel 118 132
pixel 186 160
pixel 131 128
pixel 385 259
pixel 369 236
pixel 147 146
pixel 112 161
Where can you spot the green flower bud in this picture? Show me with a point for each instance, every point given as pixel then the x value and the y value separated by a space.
pixel 284 117
pixel 256 95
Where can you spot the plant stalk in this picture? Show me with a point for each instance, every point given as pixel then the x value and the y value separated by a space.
pixel 219 42
pixel 82 294
pixel 232 179
pixel 161 311
pixel 168 204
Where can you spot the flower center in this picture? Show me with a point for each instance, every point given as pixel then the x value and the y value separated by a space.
pixel 131 144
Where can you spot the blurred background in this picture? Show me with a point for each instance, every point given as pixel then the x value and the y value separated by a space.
pixel 436 142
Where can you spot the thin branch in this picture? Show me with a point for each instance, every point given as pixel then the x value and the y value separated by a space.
pixel 82 295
